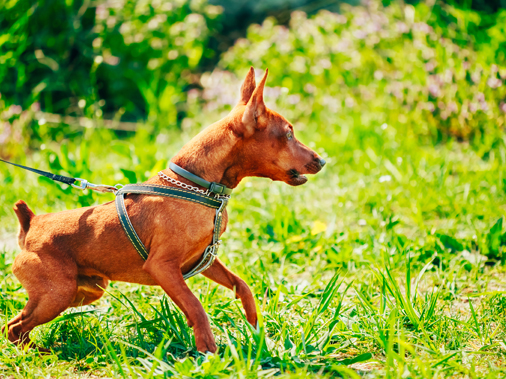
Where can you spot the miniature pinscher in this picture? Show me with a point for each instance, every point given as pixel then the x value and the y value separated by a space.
pixel 68 258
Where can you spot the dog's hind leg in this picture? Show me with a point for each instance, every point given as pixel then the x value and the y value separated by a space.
pixel 222 275
pixel 50 281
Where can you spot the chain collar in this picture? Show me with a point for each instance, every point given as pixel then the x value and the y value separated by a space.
pixel 178 183
pixel 183 185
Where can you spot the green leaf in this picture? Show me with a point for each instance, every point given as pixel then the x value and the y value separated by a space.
pixel 359 358
pixel 130 175
pixel 450 243
pixel 494 237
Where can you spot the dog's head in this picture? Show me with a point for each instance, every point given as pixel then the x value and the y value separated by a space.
pixel 268 144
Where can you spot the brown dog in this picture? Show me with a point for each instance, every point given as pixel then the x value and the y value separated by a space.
pixel 68 258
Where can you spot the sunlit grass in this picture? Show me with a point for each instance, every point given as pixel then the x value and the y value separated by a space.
pixel 352 274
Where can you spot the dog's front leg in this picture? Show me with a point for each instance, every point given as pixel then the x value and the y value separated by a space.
pixel 168 275
pixel 222 275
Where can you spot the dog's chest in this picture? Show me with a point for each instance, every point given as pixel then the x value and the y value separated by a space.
pixel 224 223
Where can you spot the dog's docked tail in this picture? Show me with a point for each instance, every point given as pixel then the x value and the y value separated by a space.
pixel 25 216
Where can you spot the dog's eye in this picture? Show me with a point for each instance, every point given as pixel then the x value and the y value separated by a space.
pixel 289 135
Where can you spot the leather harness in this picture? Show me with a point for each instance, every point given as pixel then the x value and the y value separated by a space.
pixel 218 202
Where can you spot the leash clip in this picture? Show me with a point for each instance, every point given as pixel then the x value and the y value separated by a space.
pixel 95 187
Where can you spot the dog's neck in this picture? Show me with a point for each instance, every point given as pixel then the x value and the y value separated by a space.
pixel 210 155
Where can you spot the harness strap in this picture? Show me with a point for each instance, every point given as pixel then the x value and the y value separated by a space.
pixel 149 189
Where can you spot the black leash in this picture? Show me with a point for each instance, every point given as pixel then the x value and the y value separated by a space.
pixel 56 178
pixel 68 180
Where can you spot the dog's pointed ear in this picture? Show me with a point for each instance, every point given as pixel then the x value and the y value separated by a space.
pixel 248 86
pixel 255 106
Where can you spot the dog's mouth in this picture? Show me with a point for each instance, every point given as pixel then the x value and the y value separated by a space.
pixel 295 178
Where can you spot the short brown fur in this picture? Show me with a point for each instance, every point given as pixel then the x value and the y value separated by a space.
pixel 68 258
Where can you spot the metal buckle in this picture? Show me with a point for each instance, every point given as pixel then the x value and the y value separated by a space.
pixel 212 249
pixel 101 187
pixel 95 187
pixel 82 186
pixel 217 187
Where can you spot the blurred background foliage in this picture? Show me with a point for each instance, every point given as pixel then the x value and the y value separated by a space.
pixel 130 59
pixel 437 63
pixel 141 77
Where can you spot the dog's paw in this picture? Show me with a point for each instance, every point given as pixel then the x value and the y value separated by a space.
pixel 207 349
pixel 205 342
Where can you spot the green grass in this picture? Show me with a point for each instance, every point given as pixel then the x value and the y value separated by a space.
pixel 378 266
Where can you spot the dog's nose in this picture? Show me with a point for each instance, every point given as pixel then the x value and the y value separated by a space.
pixel 321 161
